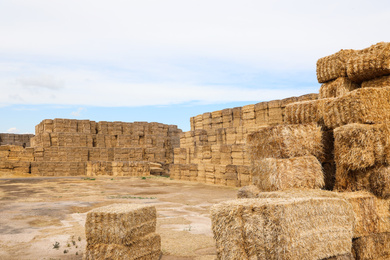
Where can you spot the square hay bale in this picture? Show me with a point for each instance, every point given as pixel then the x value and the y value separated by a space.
pixel 383 211
pixel 337 88
pixel 348 256
pixel 352 180
pixel 308 227
pixel 374 246
pixel 379 82
pixel 369 63
pixel 380 181
pixel 358 146
pixel 366 217
pixel 333 66
pixel 119 224
pixel 305 112
pixel 363 105
pixel 147 247
pixel 248 192
pixel 279 174
pixel 285 141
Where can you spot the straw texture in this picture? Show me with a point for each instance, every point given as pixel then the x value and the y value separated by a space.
pixel 374 246
pixel 285 141
pixel 248 192
pixel 145 248
pixel 305 112
pixel 120 223
pixel 383 81
pixel 337 88
pixel 279 174
pixel 282 228
pixel 369 63
pixel 333 66
pixel 364 105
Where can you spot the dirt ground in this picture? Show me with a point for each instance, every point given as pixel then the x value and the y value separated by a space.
pixel 38 214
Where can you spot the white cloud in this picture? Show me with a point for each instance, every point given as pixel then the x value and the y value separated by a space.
pixel 78 112
pixel 45 81
pixel 13 130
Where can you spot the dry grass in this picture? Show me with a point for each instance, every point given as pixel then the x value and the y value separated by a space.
pixel 337 88
pixel 383 81
pixel 364 105
pixel 306 112
pixel 374 246
pixel 307 227
pixel 333 66
pixel 279 174
pixel 285 141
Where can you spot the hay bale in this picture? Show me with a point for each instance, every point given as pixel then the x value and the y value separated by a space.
pixel 347 256
pixel 305 112
pixel 380 181
pixel 282 228
pixel 279 174
pixel 119 223
pixel 374 246
pixel 285 141
pixel 248 192
pixel 147 247
pixel 380 82
pixel 337 88
pixel 369 63
pixel 366 217
pixel 333 66
pixel 358 146
pixel 383 211
pixel 364 105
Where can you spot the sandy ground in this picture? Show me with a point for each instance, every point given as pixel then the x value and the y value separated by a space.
pixel 36 213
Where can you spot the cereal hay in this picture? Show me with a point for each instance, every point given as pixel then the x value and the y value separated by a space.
pixel 369 63
pixel 248 192
pixel 305 112
pixel 282 228
pixel 333 66
pixel 380 82
pixel 347 256
pixel 119 223
pixel 285 141
pixel 383 211
pixel 279 174
pixel 358 146
pixel 366 217
pixel 147 248
pixel 380 181
pixel 374 246
pixel 337 88
pixel 352 180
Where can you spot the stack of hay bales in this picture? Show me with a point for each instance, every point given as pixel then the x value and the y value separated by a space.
pixel 122 231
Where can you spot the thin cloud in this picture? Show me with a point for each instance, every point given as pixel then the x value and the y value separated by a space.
pixel 13 130
pixel 45 82
pixel 78 112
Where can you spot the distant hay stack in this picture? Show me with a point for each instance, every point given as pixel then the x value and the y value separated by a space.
pixel 285 141
pixel 283 228
pixel 279 174
pixel 122 231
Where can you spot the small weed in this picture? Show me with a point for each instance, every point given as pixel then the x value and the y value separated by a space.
pixel 56 245
pixel 66 251
pixel 68 245
pixel 79 238
pixel 188 229
pixel 89 179
pixel 131 197
pixel 77 253
pixel 112 179
pixel 143 178
pixel 73 242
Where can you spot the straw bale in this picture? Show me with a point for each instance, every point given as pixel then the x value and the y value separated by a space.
pixel 347 256
pixel 308 227
pixel 145 248
pixel 366 217
pixel 337 88
pixel 380 181
pixel 305 112
pixel 358 146
pixel 379 82
pixel 285 141
pixel 279 174
pixel 248 192
pixel 383 212
pixel 119 223
pixel 333 66
pixel 372 247
pixel 369 63
pixel 364 105
pixel 307 97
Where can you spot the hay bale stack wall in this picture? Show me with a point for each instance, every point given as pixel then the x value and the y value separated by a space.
pixel 65 147
pixel 122 231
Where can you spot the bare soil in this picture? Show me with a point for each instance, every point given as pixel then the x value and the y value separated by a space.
pixel 36 213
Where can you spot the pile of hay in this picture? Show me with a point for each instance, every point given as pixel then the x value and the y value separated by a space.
pixel 306 112
pixel 122 231
pixel 333 66
pixel 337 88
pixel 285 141
pixel 301 227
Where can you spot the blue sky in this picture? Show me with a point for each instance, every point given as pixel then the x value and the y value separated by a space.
pixel 165 61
